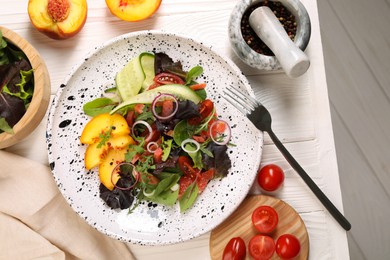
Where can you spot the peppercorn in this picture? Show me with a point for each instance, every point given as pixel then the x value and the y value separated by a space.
pixel 281 12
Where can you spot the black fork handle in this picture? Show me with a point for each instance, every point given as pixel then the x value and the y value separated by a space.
pixel 312 185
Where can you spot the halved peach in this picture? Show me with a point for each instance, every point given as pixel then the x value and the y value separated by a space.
pixel 58 19
pixel 106 168
pixel 133 10
pixel 96 152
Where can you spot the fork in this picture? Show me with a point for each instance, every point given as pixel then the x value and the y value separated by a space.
pixel 261 118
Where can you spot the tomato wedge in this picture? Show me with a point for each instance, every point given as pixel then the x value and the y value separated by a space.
pixel 204 178
pixel 261 247
pixel 205 109
pixel 265 219
pixel 185 164
pixel 234 249
pixel 165 78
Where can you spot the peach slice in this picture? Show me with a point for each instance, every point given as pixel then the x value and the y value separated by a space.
pixel 133 10
pixel 58 19
pixel 113 158
pixel 104 124
pixel 97 125
pixel 95 153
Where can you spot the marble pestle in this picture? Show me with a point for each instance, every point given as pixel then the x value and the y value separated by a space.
pixel 267 26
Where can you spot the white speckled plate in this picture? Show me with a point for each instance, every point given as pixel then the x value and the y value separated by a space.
pixel 150 224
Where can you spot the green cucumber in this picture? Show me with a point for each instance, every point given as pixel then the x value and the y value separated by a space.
pixel 147 97
pixel 130 79
pixel 135 76
pixel 147 63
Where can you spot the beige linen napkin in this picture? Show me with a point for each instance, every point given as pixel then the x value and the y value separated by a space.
pixel 37 222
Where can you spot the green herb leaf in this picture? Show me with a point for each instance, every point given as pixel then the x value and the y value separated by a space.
pixel 189 197
pixel 4 126
pixel 182 132
pixel 195 156
pixel 166 146
pixel 99 106
pixel 104 137
pixel 193 73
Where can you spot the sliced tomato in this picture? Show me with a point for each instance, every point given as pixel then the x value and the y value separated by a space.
pixel 205 109
pixel 186 166
pixel 150 179
pixel 168 78
pixel 235 249
pixel 130 118
pixel 265 219
pixel 184 182
pixel 157 155
pixel 204 178
pixel 139 108
pixel 154 85
pixel 261 247
pixel 218 128
pixel 167 107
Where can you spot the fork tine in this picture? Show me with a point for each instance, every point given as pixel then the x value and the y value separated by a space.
pixel 245 97
pixel 237 96
pixel 233 102
pixel 237 101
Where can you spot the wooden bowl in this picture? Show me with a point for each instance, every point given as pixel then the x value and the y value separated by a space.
pixel 41 96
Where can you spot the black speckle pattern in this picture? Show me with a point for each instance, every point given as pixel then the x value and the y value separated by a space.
pixel 149 224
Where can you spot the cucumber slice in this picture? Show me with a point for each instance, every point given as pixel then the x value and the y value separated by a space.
pixel 147 97
pixel 147 63
pixel 130 79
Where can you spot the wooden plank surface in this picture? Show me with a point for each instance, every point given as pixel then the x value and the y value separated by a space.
pixel 356 49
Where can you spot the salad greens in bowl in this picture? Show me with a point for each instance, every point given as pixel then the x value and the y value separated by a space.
pixel 24 88
pixel 142 144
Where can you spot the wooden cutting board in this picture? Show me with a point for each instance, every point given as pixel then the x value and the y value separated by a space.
pixel 240 224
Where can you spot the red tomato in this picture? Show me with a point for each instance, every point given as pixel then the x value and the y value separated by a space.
pixel 235 249
pixel 261 247
pixel 130 118
pixel 270 177
pixel 205 108
pixel 185 164
pixel 168 78
pixel 167 108
pixel 184 182
pixel 157 155
pixel 265 219
pixel 287 246
pixel 204 178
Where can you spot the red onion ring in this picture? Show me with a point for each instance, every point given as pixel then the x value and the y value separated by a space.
pixel 146 124
pixel 134 172
pixel 154 103
pixel 228 132
pixel 149 147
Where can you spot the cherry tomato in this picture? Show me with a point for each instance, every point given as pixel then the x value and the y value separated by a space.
pixel 168 78
pixel 288 246
pixel 261 247
pixel 265 219
pixel 205 109
pixel 235 249
pixel 270 177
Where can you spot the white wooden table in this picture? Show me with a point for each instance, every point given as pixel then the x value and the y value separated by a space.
pixel 300 108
